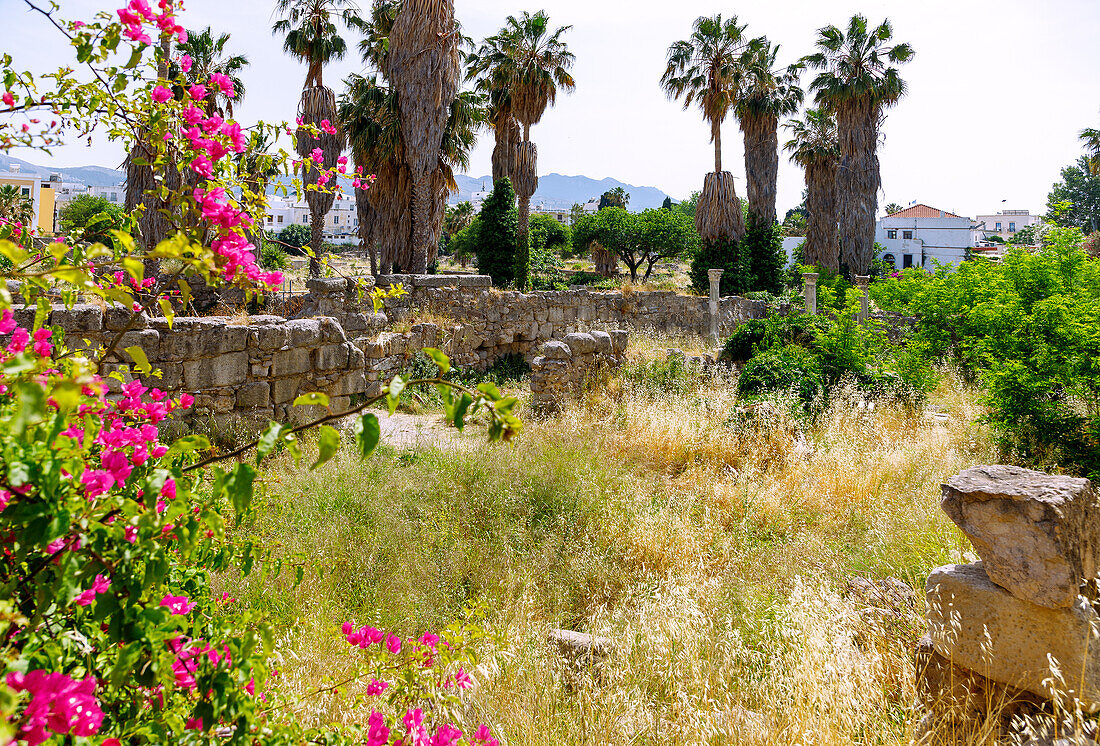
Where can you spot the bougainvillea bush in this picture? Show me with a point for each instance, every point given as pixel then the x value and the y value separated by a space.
pixel 109 630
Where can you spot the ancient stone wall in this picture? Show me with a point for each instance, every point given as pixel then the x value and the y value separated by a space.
pixel 1018 631
pixel 562 369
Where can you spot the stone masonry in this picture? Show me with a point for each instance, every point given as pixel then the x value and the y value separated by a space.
pixel 1012 634
pixel 563 368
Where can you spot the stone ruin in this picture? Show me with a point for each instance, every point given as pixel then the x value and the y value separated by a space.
pixel 562 369
pixel 1012 653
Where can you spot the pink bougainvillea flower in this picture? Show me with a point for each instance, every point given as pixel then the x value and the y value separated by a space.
pixel 447 735
pixel 342 160
pixel 99 585
pixel 202 166
pixel 42 346
pixel 223 84
pixel 19 339
pixel 161 94
pixel 180 605
pixel 185 63
pixel 483 737
pixel 463 680
pixel 7 322
pixel 376 687
pixel 58 705
pixel 393 644
pixel 197 91
pixel 318 156
pixel 377 732
pixel 415 733
pixel 131 534
pixel 9 99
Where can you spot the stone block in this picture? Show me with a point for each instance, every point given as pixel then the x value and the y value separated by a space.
pixel 1038 534
pixel 117 318
pixel 557 351
pixel 976 624
pixel 82 318
pixel 286 390
pixel 304 332
pixel 620 338
pixel 603 343
pixel 581 344
pixel 216 372
pixel 331 331
pixel 147 339
pixel 255 394
pixel 270 337
pixel 333 357
pixel 581 647
pixel 291 362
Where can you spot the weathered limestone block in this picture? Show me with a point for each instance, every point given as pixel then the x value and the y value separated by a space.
pixel 290 362
pixel 976 624
pixel 255 394
pixel 304 332
pixel 270 337
pixel 333 357
pixel 557 351
pixel 1038 534
pixel 82 318
pixel 216 372
pixel 286 390
pixel 603 343
pixel 581 647
pixel 580 344
pixel 331 330
pixel 619 340
pixel 147 339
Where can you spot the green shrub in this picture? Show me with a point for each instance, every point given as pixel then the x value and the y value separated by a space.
pixel 791 368
pixel 498 235
pixel 725 255
pixel 272 255
pixel 763 250
pixel 777 330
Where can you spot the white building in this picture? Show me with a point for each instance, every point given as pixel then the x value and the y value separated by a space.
pixel 1008 223
pixel 921 235
pixel 341 222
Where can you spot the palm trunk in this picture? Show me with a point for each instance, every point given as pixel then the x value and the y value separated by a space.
pixel 857 184
pixel 822 248
pixel 718 215
pixel 422 230
pixel 526 183
pixel 316 240
pixel 523 247
pixel 761 164
pixel 716 134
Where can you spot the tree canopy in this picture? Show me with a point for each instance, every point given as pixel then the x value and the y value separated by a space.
pixel 1074 202
pixel 638 239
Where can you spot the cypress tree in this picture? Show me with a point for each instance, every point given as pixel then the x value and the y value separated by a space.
pixel 497 234
pixel 762 248
pixel 724 254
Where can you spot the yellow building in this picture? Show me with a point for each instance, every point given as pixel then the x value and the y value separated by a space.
pixel 41 194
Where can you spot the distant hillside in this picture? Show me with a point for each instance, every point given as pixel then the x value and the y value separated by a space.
pixel 555 191
pixel 562 192
pixel 90 175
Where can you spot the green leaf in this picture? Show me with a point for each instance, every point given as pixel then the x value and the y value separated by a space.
pixel 128 656
pixel 367 433
pixel 328 443
pixel 461 407
pixel 397 385
pixel 270 438
pixel 140 360
pixel 189 444
pixel 439 359
pixel 239 485
pixel 167 310
pixel 316 399
pixel 32 406
pixel 490 390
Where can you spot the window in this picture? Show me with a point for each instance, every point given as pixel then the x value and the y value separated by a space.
pixel 998 227
pixel 279 218
pixel 907 235
pixel 269 219
pixel 1011 227
pixel 907 262
pixel 336 220
pixel 889 259
pixel 892 233
pixel 26 191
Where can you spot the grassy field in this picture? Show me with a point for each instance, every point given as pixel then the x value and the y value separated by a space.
pixel 712 542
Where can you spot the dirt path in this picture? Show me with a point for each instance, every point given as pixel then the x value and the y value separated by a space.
pixel 402 431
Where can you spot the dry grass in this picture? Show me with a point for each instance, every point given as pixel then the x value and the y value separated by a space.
pixel 713 544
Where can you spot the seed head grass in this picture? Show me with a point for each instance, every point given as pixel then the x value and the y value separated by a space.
pixel 712 540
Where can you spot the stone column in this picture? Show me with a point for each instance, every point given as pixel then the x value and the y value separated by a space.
pixel 809 291
pixel 715 293
pixel 864 311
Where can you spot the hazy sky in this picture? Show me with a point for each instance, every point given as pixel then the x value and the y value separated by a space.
pixel 997 92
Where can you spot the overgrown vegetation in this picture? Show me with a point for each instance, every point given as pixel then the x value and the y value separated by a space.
pixel 497 233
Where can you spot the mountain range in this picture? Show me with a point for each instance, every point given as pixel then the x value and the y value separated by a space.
pixel 555 191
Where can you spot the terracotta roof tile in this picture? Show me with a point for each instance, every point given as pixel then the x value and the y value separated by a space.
pixel 922 211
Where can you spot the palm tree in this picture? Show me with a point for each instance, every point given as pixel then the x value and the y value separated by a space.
pixel 313 37
pixel 858 82
pixel 1091 138
pixel 813 145
pixel 705 69
pixel 257 167
pixel 15 207
pixel 208 57
pixel 527 63
pixel 891 208
pixel 370 115
pixel 422 64
pixel 767 93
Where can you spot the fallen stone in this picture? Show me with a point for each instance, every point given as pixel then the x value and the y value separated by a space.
pixel 981 627
pixel 1038 534
pixel 581 647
